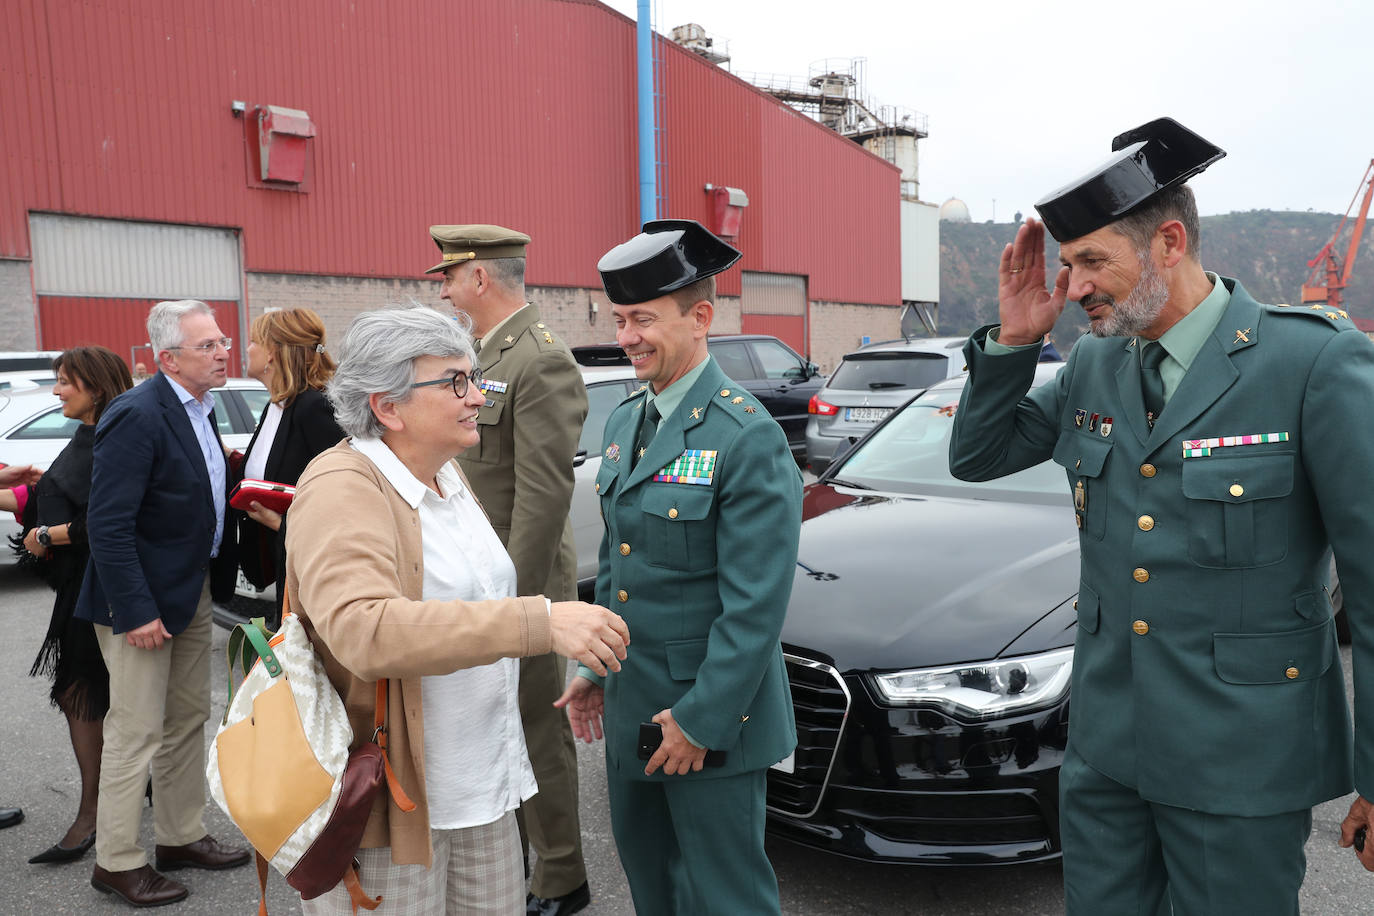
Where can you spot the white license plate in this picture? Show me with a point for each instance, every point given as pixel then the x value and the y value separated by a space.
pixel 245 587
pixel 787 764
pixel 866 414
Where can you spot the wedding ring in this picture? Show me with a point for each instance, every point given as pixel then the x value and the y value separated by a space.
pixel 1015 270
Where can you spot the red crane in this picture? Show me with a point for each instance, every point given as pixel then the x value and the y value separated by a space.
pixel 1336 270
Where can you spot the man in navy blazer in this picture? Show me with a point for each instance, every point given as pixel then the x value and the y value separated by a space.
pixel 156 520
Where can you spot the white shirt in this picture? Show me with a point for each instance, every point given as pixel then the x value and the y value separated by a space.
pixel 476 765
pixel 256 465
pixel 198 412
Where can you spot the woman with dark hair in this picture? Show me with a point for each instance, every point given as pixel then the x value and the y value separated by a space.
pixel 286 353
pixel 88 379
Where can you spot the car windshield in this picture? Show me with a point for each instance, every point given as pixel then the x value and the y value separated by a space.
pixel 910 454
pixel 878 371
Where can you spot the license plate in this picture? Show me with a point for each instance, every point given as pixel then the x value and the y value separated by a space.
pixel 245 587
pixel 787 764
pixel 866 414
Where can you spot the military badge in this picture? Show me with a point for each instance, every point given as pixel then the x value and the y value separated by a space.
pixel 613 452
pixel 1092 422
pixel 1106 429
pixel 1079 416
pixel 693 466
pixel 492 385
pixel 1201 448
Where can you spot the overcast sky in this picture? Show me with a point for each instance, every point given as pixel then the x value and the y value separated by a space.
pixel 1025 97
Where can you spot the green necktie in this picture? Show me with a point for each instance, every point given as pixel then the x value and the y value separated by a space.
pixel 1151 382
pixel 647 428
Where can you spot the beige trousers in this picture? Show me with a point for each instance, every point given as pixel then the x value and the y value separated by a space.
pixel 476 871
pixel 159 703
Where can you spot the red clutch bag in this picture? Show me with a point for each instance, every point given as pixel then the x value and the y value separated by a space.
pixel 274 496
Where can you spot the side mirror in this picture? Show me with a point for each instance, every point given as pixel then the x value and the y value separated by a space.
pixel 580 458
pixel 812 370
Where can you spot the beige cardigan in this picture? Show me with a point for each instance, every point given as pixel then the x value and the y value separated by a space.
pixel 354 571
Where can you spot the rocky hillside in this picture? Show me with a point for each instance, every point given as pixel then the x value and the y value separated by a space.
pixel 1266 250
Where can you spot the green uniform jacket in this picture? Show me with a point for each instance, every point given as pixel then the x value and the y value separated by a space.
pixel 702 573
pixel 1206 673
pixel 523 473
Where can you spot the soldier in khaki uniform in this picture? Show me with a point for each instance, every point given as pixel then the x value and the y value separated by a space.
pixel 522 471
pixel 1215 448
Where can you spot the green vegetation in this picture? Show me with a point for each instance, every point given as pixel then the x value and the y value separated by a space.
pixel 1266 250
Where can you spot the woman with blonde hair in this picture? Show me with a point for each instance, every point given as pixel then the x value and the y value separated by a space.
pixel 286 353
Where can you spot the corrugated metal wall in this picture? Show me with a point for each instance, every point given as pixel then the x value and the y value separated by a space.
pixel 518 112
pixel 120 324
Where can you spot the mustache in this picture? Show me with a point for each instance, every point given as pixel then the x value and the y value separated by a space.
pixel 1096 299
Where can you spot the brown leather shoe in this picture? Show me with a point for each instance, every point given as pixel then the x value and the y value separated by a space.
pixel 138 886
pixel 205 852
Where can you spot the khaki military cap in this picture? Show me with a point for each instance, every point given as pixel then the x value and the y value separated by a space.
pixel 478 242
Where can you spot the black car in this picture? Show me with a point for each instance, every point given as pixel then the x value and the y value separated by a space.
pixel 769 369
pixel 929 642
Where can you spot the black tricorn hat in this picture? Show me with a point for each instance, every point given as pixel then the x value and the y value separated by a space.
pixel 668 255
pixel 1146 160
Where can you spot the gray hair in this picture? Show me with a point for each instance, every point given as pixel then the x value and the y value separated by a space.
pixel 1172 203
pixel 164 322
pixel 378 356
pixel 509 273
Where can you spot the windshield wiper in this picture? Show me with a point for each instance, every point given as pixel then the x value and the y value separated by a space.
pixel 877 385
pixel 840 482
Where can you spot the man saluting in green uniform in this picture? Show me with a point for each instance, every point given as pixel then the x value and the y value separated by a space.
pixel 702 503
pixel 1209 442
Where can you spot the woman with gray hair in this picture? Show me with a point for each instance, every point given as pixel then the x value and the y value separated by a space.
pixel 397 574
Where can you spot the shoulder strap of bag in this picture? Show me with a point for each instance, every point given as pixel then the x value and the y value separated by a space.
pixel 248 643
pixel 398 794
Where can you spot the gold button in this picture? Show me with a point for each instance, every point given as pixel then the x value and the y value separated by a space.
pixel 1147 470
pixel 1075 604
pixel 1140 627
pixel 1291 673
pixel 598 488
pixel 1237 490
pixel 725 392
pixel 1145 522
pixel 623 596
pixel 540 325
pixel 624 550
pixel 672 513
pixel 1141 574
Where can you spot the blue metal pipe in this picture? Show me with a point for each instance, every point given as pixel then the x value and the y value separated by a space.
pixel 648 177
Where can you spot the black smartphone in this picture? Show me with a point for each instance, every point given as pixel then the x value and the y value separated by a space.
pixel 651 736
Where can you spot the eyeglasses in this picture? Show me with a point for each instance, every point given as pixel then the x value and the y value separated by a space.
pixel 207 348
pixel 459 382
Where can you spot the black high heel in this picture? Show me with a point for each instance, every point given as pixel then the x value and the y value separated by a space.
pixel 65 853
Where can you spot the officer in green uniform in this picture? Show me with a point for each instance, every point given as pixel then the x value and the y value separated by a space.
pixel 702 504
pixel 522 471
pixel 1213 448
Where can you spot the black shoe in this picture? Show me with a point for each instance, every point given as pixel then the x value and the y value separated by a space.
pixel 571 902
pixel 10 817
pixel 65 853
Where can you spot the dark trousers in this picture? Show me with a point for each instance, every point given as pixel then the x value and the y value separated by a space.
pixel 1124 856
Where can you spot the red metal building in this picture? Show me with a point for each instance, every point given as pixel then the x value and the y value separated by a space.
pixel 393 116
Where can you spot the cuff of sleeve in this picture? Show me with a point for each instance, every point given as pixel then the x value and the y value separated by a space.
pixel 992 347
pixel 690 740
pixel 538 627
pixel 589 674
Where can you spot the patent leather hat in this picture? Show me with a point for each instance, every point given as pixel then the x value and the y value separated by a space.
pixel 1145 161
pixel 668 255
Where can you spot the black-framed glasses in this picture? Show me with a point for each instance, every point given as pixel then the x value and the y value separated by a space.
pixel 458 381
pixel 207 348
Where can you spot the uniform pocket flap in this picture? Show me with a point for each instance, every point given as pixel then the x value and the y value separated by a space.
pixel 1081 454
pixel 490 412
pixel 1238 480
pixel 605 476
pixel 678 501
pixel 1274 658
pixel 1089 609
pixel 685 657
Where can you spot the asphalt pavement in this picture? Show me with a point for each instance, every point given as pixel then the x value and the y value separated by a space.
pixel 37 771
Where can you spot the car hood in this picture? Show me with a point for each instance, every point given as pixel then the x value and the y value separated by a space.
pixel 888 582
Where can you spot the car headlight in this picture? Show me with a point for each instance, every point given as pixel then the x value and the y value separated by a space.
pixel 982 690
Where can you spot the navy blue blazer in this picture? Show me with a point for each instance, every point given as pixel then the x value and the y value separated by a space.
pixel 151 519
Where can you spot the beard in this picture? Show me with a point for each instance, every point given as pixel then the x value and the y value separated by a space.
pixel 1141 307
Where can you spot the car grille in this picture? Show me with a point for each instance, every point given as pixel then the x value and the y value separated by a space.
pixel 945 819
pixel 820 701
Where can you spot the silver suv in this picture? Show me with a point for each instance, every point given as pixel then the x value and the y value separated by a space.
pixel 869 384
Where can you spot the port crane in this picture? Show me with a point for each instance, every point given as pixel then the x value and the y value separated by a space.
pixel 1328 265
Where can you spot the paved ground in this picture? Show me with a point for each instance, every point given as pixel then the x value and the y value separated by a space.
pixel 37 771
